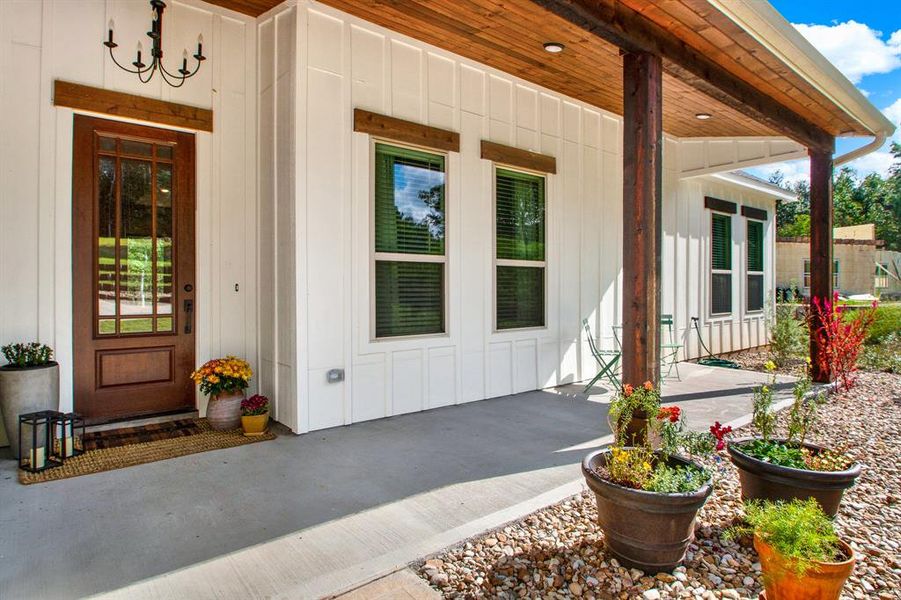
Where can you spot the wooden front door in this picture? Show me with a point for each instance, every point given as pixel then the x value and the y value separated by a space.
pixel 133 269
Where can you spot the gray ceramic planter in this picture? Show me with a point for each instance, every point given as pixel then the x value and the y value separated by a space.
pixel 24 391
pixel 647 530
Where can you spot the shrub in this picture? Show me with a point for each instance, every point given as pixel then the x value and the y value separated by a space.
pixel 28 355
pixel 798 530
pixel 788 335
pixel 886 323
pixel 840 339
pixel 763 418
pixel 884 356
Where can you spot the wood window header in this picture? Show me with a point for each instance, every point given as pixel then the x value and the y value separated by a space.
pixel 405 131
pixel 119 104
pixel 515 157
pixel 720 205
pixel 753 213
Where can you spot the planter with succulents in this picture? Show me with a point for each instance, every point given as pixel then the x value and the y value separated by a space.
pixel 648 498
pixel 786 468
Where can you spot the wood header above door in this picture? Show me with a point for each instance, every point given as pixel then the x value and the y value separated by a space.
pixel 120 104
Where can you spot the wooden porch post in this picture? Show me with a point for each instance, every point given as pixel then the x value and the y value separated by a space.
pixel 642 199
pixel 820 243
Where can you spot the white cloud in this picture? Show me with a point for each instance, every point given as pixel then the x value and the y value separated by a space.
pixel 856 49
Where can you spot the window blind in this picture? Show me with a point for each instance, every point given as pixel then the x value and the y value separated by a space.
pixel 409 214
pixel 409 201
pixel 409 298
pixel 721 246
pixel 520 249
pixel 755 246
pixel 520 297
pixel 520 216
pixel 721 260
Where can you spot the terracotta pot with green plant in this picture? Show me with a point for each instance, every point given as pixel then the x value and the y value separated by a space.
pixel 255 415
pixel 224 381
pixel 648 499
pixel 29 382
pixel 801 556
pixel 771 468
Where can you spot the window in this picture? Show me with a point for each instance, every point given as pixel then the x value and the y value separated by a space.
pixel 755 266
pixel 805 281
pixel 409 242
pixel 519 249
pixel 881 276
pixel 721 264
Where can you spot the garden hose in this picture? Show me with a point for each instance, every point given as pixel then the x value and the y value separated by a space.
pixel 710 360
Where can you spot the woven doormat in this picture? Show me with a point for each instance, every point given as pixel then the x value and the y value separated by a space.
pixel 118 457
pixel 112 438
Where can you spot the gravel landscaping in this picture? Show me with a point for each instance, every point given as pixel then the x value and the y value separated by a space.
pixel 557 552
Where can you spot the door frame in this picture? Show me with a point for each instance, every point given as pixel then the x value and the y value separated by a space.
pixel 84 309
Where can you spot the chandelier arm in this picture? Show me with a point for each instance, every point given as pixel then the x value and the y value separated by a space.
pixel 166 75
pixel 151 69
pixel 126 69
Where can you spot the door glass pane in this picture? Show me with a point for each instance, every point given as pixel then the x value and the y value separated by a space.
pixel 107 144
pixel 135 242
pixel 144 325
pixel 106 239
pixel 107 327
pixel 164 324
pixel 164 152
pixel 137 148
pixel 164 240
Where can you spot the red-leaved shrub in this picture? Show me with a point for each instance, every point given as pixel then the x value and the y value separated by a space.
pixel 840 339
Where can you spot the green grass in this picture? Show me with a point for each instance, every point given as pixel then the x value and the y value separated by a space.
pixel 144 325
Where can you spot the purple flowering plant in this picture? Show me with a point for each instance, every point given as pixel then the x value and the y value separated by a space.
pixel 255 405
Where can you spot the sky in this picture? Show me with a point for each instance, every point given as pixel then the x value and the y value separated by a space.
pixel 863 39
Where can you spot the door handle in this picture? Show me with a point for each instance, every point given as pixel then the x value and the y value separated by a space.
pixel 189 314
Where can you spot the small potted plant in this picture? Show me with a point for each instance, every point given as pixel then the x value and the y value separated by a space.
pixel 29 382
pixel 772 468
pixel 224 381
pixel 801 556
pixel 648 499
pixel 255 415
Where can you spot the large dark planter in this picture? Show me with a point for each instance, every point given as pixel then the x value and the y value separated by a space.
pixel 26 390
pixel 646 530
pixel 765 481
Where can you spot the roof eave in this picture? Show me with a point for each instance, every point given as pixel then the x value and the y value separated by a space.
pixel 769 28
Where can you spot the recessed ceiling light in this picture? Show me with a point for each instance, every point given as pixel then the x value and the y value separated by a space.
pixel 703 116
pixel 554 47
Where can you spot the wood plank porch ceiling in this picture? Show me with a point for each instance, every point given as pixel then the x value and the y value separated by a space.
pixel 509 35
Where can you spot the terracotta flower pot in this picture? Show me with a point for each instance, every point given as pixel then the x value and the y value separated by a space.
pixel 647 530
pixel 765 481
pixel 224 411
pixel 823 581
pixel 254 425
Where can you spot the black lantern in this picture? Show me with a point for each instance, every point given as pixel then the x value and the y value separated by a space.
pixel 35 446
pixel 67 436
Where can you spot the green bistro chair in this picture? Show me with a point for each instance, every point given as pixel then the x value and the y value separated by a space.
pixel 608 360
pixel 669 349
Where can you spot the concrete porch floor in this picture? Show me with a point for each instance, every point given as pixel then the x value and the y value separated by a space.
pixel 318 514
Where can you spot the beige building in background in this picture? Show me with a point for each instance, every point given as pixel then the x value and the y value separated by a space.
pixel 860 265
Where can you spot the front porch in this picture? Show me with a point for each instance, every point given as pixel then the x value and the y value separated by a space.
pixel 321 513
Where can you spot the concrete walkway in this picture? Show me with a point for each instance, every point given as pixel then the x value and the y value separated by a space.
pixel 319 514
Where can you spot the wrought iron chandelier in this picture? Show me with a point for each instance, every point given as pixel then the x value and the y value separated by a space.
pixel 156 52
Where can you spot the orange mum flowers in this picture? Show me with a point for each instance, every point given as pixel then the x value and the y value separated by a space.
pixel 222 375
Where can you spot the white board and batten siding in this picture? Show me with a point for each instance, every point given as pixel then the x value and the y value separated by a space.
pixel 41 41
pixel 315 195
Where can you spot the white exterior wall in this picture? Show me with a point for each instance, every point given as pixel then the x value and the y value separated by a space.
pixel 44 40
pixel 321 268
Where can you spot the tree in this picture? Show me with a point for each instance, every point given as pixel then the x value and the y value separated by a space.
pixel 856 201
